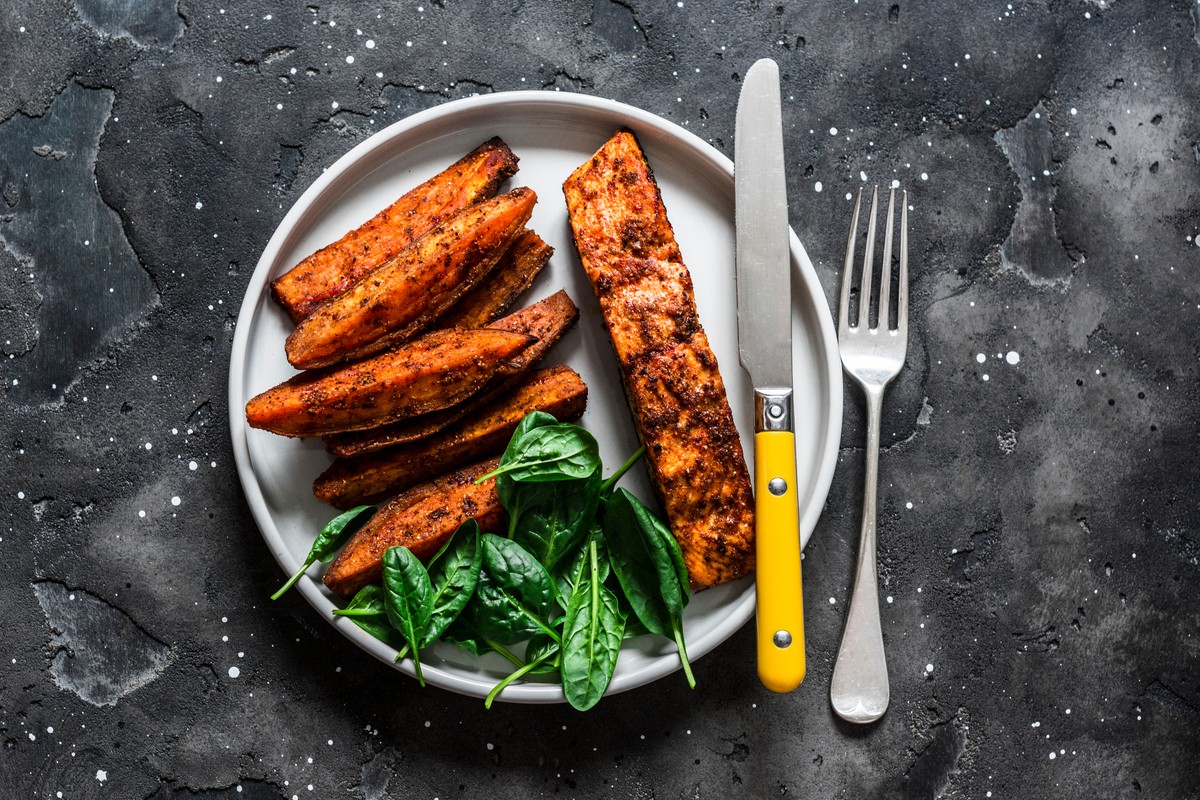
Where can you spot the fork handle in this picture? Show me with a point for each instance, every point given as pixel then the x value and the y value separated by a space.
pixel 859 687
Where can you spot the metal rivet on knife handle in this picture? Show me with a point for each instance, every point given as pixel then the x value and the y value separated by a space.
pixel 782 639
pixel 777 486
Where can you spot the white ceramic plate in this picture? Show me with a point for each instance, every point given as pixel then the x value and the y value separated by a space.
pixel 552 133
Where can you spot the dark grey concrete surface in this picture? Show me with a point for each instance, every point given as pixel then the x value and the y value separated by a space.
pixel 1040 527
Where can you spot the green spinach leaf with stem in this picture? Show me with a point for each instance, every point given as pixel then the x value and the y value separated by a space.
pixel 532 666
pixel 462 635
pixel 570 575
pixel 407 598
pixel 536 650
pixel 550 453
pixel 329 540
pixel 453 574
pixel 514 596
pixel 649 566
pixel 611 480
pixel 367 611
pixel 592 635
pixel 551 520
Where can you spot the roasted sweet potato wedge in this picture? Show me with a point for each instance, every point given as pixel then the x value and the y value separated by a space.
pixel 352 481
pixel 546 320
pixel 675 391
pixel 392 302
pixel 422 519
pixel 434 372
pixel 332 269
pixel 500 288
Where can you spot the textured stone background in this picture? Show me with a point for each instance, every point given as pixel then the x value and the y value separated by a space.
pixel 1040 522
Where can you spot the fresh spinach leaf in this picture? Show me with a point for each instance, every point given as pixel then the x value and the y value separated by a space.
pixel 539 647
pixel 462 635
pixel 649 566
pixel 329 540
pixel 514 596
pixel 551 520
pixel 571 574
pixel 592 636
pixel 550 453
pixel 407 598
pixel 368 613
pixel 453 574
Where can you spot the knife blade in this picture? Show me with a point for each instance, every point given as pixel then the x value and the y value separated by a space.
pixel 764 313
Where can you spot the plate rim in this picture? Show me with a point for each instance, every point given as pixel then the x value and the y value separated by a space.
pixel 313 199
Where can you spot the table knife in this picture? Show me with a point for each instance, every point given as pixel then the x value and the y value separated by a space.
pixel 764 313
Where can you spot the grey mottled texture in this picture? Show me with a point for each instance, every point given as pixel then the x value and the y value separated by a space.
pixel 1039 519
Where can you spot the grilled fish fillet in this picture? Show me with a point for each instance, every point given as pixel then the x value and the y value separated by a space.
pixel 674 388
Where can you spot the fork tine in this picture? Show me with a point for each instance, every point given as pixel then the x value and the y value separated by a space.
pixel 902 296
pixel 864 291
pixel 848 272
pixel 885 267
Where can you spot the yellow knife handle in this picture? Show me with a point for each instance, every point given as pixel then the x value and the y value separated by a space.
pixel 781 663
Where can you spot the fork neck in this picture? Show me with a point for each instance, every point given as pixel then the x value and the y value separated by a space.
pixel 874 398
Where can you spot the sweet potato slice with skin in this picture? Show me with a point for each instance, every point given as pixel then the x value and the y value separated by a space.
pixel 493 295
pixel 422 519
pixel 391 303
pixel 353 481
pixel 546 320
pixel 436 371
pixel 332 269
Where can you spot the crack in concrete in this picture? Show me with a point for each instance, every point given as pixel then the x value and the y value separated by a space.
pixel 100 653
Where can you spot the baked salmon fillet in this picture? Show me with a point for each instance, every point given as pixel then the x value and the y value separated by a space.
pixel 675 391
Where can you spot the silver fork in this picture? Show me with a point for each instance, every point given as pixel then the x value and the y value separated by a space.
pixel 872 356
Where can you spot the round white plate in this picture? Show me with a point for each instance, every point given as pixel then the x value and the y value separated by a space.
pixel 552 133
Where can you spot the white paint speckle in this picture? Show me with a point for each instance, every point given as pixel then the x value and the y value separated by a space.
pixel 832 601
pixel 908 505
pixel 1053 755
pixel 193 466
pixel 1013 357
pixel 817 187
pixel 491 746
pixel 175 500
pixel 101 775
pixel 349 59
pixel 833 131
pixel 980 357
pixel 370 44
pixel 889 599
pixel 199 205
pixel 986 377
pixel 929 667
pixel 234 672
